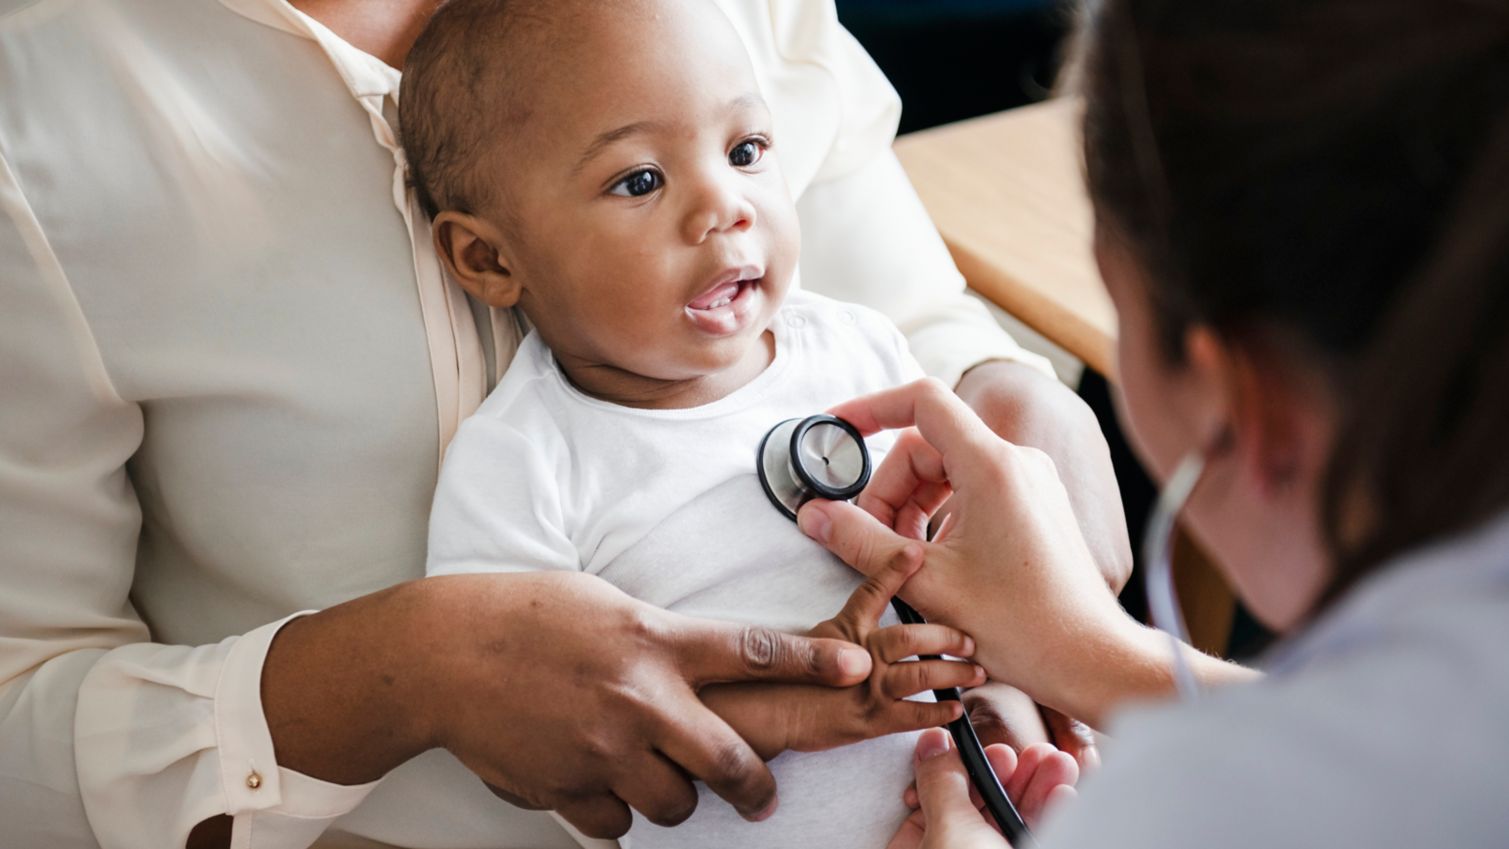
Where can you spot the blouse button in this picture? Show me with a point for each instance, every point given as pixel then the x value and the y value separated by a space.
pixel 847 316
pixel 254 779
pixel 795 320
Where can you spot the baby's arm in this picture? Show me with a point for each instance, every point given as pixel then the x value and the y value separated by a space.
pixel 777 718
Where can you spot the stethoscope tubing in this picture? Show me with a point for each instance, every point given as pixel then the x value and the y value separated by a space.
pixel 972 753
pixel 805 486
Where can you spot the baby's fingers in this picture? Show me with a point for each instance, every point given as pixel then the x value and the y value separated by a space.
pixel 899 642
pixel 900 680
pixel 901 716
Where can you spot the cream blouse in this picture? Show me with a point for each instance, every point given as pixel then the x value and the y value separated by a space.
pixel 229 364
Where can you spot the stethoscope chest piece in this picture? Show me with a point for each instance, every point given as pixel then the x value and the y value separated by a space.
pixel 816 457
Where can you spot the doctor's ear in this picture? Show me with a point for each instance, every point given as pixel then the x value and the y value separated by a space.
pixel 1256 408
pixel 472 250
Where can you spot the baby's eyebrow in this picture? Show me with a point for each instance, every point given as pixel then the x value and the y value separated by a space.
pixel 611 136
pixel 743 101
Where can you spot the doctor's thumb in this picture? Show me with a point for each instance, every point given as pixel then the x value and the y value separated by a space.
pixel 943 790
pixel 856 537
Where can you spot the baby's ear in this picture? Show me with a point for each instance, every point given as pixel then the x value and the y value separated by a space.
pixel 472 250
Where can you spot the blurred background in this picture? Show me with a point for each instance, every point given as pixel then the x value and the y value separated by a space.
pixel 954 59
pixel 957 59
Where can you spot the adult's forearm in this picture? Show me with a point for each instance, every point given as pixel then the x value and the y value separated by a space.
pixel 342 690
pixel 1121 664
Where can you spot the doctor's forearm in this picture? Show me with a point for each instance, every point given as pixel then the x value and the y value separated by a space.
pixel 1125 663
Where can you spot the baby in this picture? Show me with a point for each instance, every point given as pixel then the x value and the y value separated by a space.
pixel 609 168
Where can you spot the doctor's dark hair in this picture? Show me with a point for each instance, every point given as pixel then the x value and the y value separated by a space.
pixel 1333 173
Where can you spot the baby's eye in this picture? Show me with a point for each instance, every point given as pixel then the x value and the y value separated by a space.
pixel 746 153
pixel 638 184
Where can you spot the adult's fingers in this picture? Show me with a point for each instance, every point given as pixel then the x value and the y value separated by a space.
pixel 1039 771
pixel 943 789
pixel 1001 713
pixel 856 537
pixel 605 817
pixel 909 485
pixel 660 790
pixel 713 652
pixel 1074 738
pixel 697 741
pixel 942 418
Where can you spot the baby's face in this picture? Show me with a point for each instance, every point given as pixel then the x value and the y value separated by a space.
pixel 654 233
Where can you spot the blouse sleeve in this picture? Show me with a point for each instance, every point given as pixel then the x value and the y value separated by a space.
pixel 107 739
pixel 866 238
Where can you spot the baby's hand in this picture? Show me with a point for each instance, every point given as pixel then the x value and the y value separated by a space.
pixel 803 718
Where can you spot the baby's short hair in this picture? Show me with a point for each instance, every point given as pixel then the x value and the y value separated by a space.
pixel 463 88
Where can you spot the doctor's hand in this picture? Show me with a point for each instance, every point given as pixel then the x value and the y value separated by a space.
pixel 947 812
pixel 1011 566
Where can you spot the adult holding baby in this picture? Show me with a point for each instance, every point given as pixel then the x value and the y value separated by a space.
pixel 1300 219
pixel 230 365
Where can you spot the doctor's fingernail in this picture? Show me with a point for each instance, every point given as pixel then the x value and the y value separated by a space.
pixel 816 524
pixel 932 743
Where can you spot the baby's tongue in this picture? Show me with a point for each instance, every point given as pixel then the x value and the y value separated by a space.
pixel 716 294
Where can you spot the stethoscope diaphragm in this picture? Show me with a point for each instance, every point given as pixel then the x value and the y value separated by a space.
pixel 819 456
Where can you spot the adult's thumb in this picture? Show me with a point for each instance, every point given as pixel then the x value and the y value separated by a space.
pixel 857 538
pixel 943 786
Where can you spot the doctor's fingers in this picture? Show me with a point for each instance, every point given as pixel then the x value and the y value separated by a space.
pixel 711 652
pixel 907 487
pixel 859 540
pixel 1042 776
pixel 943 790
pixel 942 418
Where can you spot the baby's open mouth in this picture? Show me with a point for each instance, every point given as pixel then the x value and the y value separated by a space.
pixel 728 303
pixel 721 295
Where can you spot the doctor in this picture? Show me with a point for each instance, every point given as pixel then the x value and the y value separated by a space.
pixel 1301 220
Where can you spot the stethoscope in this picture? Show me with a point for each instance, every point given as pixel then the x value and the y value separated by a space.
pixel 825 457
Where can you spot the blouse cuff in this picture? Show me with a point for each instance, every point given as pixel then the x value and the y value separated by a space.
pixel 271 806
pixel 169 736
pixel 947 350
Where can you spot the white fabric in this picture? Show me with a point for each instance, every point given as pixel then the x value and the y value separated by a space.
pixel 228 365
pixel 666 505
pixel 1385 726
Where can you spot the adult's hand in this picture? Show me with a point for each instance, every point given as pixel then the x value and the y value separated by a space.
pixel 1026 407
pixel 1013 569
pixel 556 689
pixel 1005 715
pixel 948 813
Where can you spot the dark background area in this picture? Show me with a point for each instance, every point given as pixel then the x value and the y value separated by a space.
pixel 956 59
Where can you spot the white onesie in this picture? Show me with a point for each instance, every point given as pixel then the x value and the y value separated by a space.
pixel 666 505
